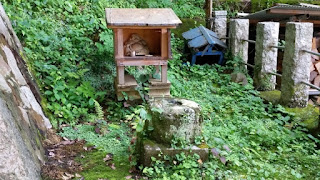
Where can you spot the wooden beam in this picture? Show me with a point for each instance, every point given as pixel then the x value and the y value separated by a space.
pixel 292 12
pixel 120 75
pixel 141 27
pixel 137 62
pixel 118 43
pixel 316 23
pixel 164 43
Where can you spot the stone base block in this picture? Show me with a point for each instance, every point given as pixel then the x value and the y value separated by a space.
pixel 151 149
pixel 156 88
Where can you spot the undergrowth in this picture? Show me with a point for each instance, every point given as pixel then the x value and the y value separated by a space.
pixel 69 50
pixel 248 139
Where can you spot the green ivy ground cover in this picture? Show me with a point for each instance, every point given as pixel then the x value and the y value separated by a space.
pixel 70 52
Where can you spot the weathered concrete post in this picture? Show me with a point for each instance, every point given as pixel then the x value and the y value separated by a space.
pixel 219 25
pixel 266 57
pixel 239 30
pixel 296 64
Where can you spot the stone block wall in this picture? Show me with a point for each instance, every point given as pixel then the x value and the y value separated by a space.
pixel 22 121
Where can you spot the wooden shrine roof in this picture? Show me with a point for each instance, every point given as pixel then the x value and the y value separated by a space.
pixel 283 13
pixel 201 36
pixel 142 17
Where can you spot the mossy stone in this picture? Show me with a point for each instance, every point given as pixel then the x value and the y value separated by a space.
pixel 153 149
pixel 176 119
pixel 271 96
pixel 309 116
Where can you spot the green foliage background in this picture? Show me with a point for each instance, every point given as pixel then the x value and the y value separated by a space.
pixel 69 50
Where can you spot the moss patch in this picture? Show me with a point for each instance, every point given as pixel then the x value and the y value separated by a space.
pixel 309 116
pixel 94 167
pixel 271 96
pixel 186 25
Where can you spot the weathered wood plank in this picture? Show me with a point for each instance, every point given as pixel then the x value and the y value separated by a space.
pixel 141 17
pixel 196 36
pixel 120 75
pixel 137 62
pixel 198 42
pixel 164 43
pixel 118 43
pixel 206 35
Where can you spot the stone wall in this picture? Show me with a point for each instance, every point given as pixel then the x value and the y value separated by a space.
pixel 22 121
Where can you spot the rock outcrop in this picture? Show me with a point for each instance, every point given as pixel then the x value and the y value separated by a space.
pixel 22 121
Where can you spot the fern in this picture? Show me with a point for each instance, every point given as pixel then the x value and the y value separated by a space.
pixel 99 111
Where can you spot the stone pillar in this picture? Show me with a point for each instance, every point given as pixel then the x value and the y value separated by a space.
pixel 296 64
pixel 239 29
pixel 265 56
pixel 219 25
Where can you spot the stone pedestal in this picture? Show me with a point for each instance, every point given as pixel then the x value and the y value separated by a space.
pixel 296 64
pixel 266 57
pixel 153 149
pixel 179 119
pixel 172 119
pixel 239 30
pixel 219 24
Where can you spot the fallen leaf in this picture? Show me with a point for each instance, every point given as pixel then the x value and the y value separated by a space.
pixel 223 160
pixel 215 152
pixel 65 178
pixel 128 177
pixel 108 157
pixel 200 162
pixel 126 104
pixel 112 166
pixel 51 154
pixel 69 175
pixel 174 162
pixel 67 142
pixel 70 162
pixel 226 147
pixel 77 175
pixel 97 130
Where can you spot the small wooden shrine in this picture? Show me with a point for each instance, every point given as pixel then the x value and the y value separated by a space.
pixel 141 38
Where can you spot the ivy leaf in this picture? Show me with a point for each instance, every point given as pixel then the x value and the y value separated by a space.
pixel 114 126
pixel 139 128
pixel 223 160
pixel 215 152
pixel 143 114
pixel 226 147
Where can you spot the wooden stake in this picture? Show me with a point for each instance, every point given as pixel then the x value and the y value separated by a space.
pixel 208 9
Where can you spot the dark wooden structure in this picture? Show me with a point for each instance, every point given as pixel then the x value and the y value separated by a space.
pixel 153 26
pixel 202 37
